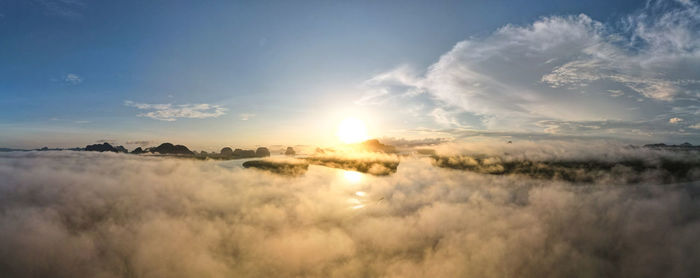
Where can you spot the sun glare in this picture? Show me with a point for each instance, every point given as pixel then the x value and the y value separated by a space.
pixel 352 130
pixel 352 176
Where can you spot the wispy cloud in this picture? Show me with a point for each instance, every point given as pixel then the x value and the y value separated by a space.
pixel 63 120
pixel 141 143
pixel 638 128
pixel 170 112
pixel 246 116
pixel 72 79
pixel 62 8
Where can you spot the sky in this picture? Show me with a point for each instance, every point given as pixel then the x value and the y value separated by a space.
pixel 209 74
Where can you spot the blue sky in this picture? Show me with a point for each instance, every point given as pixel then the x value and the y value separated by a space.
pixel 214 73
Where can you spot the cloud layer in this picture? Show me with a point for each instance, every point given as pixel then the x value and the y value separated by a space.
pixel 169 112
pixel 641 69
pixel 81 214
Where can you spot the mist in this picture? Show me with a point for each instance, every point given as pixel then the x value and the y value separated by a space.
pixel 82 214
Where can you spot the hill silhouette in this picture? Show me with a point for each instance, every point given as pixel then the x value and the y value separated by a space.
pixel 105 147
pixel 169 148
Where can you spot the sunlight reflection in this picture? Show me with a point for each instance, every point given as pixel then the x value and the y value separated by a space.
pixel 358 207
pixel 357 204
pixel 352 176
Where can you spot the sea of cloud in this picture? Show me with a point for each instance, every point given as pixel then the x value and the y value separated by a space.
pixel 571 149
pixel 83 214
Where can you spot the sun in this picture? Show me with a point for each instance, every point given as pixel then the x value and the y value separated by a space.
pixel 352 176
pixel 352 130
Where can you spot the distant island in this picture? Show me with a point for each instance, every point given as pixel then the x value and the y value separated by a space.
pixel 105 147
pixel 169 149
pixel 382 159
pixel 372 145
pixel 684 146
pixel 183 151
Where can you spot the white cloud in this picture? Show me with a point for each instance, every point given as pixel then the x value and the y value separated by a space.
pixel 170 112
pixel 675 120
pixel 73 79
pixel 560 68
pixel 444 117
pixel 402 81
pixel 652 61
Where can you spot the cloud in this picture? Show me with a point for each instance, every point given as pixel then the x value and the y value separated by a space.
pixel 141 143
pixel 559 68
pixel 690 110
pixel 616 93
pixel 82 214
pixel 590 161
pixel 651 63
pixel 610 126
pixel 62 8
pixel 73 79
pixel 403 142
pixel 400 82
pixel 246 116
pixel 600 150
pixel 169 112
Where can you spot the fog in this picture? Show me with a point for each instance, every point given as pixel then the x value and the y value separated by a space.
pixel 579 150
pixel 591 161
pixel 83 214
